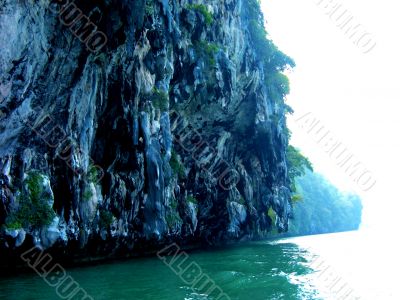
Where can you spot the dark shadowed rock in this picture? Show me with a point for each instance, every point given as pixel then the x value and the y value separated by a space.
pixel 171 106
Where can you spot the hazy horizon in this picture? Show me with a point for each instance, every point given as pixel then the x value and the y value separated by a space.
pixel 353 94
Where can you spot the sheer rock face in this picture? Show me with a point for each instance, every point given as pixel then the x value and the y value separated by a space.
pixel 162 133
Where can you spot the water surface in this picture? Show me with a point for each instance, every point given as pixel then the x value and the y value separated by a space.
pixel 300 268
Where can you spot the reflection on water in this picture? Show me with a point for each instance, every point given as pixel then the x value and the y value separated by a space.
pixel 285 269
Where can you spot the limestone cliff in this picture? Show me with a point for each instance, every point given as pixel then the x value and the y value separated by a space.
pixel 128 124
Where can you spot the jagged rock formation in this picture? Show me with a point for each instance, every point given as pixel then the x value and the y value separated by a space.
pixel 158 127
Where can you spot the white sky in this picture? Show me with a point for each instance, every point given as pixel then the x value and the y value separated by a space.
pixel 355 95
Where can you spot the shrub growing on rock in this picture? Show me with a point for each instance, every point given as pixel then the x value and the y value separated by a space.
pixel 33 204
pixel 202 9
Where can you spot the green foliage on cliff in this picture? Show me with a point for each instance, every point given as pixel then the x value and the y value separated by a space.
pixel 160 99
pixel 272 215
pixel 202 9
pixel 93 173
pixel 176 165
pixel 149 7
pixel 324 208
pixel 87 194
pixel 174 204
pixel 267 52
pixel 273 60
pixel 33 207
pixel 297 198
pixel 105 219
pixel 173 219
pixel 298 164
pixel 207 51
pixel 278 85
pixel 191 199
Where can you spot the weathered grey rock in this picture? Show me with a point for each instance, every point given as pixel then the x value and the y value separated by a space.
pixel 20 238
pixel 237 215
pixel 50 234
pixel 17 235
pixel 122 135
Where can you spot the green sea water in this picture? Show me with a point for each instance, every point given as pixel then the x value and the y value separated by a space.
pixel 282 269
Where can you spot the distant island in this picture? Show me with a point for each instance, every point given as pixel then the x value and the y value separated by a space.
pixel 323 208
